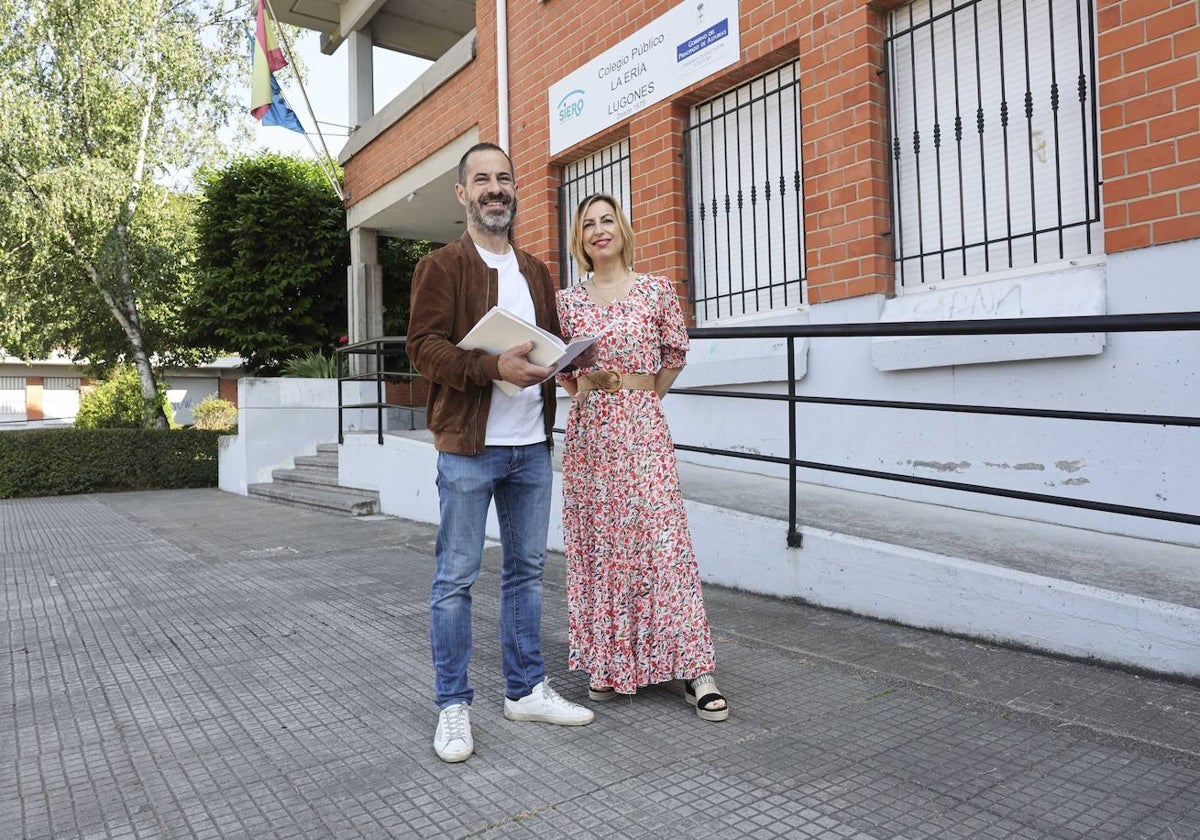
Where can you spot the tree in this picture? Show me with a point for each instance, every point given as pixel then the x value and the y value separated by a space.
pixel 100 104
pixel 271 267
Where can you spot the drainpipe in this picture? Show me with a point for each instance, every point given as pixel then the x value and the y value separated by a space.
pixel 502 72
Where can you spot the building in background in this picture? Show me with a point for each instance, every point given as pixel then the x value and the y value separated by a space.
pixel 46 392
pixel 842 162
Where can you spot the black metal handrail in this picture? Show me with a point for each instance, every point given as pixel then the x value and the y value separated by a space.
pixel 1153 322
pixel 379 350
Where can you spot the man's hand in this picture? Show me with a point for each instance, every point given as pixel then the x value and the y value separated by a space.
pixel 518 370
pixel 587 358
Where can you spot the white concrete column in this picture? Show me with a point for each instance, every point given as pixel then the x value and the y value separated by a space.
pixel 362 77
pixel 364 294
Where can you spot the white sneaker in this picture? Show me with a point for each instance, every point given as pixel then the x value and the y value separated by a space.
pixel 546 705
pixel 452 741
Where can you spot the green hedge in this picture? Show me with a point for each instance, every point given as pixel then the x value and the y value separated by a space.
pixel 59 462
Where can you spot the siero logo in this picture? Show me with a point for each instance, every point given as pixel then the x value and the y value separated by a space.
pixel 570 105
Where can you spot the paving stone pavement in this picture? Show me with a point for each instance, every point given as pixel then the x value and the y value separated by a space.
pixel 192 664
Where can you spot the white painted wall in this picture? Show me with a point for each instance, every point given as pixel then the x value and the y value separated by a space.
pixel 280 418
pixel 1138 465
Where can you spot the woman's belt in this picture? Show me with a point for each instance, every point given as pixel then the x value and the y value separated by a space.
pixel 611 381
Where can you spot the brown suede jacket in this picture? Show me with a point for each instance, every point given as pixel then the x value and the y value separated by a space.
pixel 452 288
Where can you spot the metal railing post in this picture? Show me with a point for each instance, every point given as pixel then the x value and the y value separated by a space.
pixel 341 424
pixel 794 538
pixel 379 390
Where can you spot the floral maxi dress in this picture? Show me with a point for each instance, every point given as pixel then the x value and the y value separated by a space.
pixel 636 613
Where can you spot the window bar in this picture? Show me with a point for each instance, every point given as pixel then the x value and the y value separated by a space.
pixel 979 125
pixel 689 216
pixel 958 135
pixel 728 221
pixel 1095 132
pixel 937 143
pixel 912 58
pixel 701 281
pixel 1004 130
pixel 799 184
pixel 741 249
pixel 1054 112
pixel 897 193
pixel 1029 128
pixel 715 216
pixel 782 195
pixel 754 208
pixel 1083 112
pixel 767 200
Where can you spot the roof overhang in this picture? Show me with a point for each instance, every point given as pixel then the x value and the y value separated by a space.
pixel 423 28
pixel 420 203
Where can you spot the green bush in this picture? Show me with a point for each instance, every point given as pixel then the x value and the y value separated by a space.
pixel 116 403
pixel 313 365
pixel 60 462
pixel 215 413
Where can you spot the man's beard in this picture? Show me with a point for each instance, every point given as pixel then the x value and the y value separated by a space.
pixel 492 223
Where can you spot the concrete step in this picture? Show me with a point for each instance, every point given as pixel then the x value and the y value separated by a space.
pixel 307 476
pixel 321 461
pixel 340 500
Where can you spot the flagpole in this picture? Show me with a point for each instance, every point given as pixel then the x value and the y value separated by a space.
pixel 316 125
pixel 322 161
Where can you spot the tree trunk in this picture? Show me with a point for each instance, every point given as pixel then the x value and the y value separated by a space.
pixel 153 413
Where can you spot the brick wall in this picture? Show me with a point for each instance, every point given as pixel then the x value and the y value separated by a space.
pixel 1149 100
pixel 1149 97
pixel 34 398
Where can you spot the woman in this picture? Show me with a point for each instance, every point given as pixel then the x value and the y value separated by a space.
pixel 633 589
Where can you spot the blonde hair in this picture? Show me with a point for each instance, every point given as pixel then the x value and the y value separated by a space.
pixel 627 246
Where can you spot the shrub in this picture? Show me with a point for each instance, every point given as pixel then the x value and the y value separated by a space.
pixel 59 462
pixel 116 403
pixel 314 365
pixel 215 413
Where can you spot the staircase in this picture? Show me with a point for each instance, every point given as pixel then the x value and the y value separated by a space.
pixel 313 483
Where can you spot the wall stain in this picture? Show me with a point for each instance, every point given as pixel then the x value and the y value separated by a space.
pixel 1077 481
pixel 1069 466
pixel 943 466
pixel 1029 465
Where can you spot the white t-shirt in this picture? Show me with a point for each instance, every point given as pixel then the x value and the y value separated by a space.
pixel 515 420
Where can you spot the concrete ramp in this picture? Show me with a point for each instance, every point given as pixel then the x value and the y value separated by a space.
pixel 1118 600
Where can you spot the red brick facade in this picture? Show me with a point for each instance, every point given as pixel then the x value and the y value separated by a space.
pixel 1149 113
pixel 1150 121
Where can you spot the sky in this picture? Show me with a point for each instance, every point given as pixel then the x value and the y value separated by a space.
pixel 325 81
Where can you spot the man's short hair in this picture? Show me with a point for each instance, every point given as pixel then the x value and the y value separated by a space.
pixel 479 147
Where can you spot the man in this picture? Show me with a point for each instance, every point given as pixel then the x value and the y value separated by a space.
pixel 489 446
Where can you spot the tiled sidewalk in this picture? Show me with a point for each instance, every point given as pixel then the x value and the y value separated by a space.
pixel 192 664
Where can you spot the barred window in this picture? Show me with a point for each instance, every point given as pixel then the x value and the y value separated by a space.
pixel 993 132
pixel 745 207
pixel 606 171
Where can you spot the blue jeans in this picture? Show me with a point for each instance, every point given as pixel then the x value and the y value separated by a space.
pixel 519 478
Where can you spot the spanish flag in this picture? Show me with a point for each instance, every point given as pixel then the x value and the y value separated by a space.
pixel 268 58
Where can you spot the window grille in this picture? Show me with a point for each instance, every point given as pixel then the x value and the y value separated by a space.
pixel 606 171
pixel 994 152
pixel 745 204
